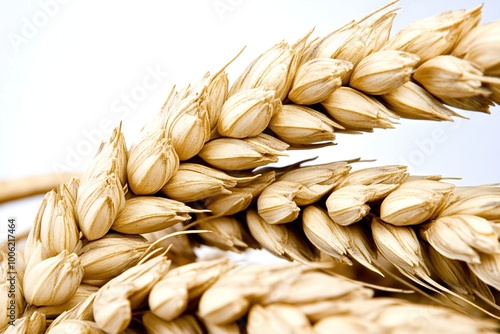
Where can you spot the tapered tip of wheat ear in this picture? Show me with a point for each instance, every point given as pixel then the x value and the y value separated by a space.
pixel 113 251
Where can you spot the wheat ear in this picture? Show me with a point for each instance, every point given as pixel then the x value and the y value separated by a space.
pixel 205 154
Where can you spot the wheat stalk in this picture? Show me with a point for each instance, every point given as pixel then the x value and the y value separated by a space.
pixel 202 156
pixel 20 188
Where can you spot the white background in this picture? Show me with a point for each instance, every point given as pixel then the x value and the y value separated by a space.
pixel 65 77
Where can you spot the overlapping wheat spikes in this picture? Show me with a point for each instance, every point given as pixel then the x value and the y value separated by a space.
pixel 113 251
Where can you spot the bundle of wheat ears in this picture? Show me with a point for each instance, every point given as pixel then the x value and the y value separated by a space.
pixel 370 250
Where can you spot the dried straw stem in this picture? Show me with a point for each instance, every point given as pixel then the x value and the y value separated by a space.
pixel 13 189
